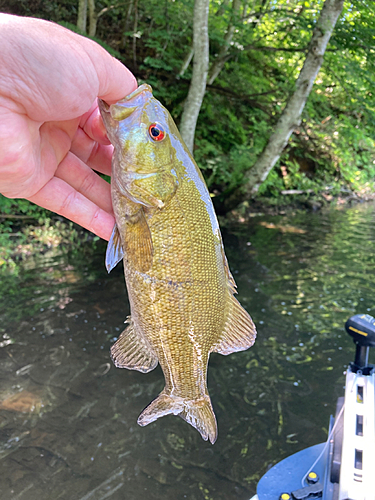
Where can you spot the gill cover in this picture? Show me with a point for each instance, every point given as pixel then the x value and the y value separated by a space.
pixel 142 172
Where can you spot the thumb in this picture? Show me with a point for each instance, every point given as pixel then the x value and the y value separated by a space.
pixel 58 80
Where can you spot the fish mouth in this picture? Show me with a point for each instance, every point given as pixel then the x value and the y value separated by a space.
pixel 125 107
pixel 145 87
pixel 103 106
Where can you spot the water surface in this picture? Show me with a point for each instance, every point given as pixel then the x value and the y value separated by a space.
pixel 68 417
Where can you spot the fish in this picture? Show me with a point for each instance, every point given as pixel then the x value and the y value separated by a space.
pixel 180 288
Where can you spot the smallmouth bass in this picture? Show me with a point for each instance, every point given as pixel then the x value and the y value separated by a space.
pixel 180 289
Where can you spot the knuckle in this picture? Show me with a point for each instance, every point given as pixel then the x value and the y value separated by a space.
pixel 88 182
pixel 95 220
pixel 68 203
pixel 93 153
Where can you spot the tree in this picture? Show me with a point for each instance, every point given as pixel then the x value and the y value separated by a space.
pixel 200 70
pixel 201 63
pixel 221 58
pixel 82 15
pixel 257 50
pixel 83 6
pixel 93 17
pixel 291 116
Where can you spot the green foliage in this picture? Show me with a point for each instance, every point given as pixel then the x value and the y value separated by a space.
pixel 241 107
pixel 26 229
pixel 334 144
pixel 272 185
pixel 9 206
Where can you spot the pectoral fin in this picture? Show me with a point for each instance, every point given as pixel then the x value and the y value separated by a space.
pixel 132 351
pixel 239 332
pixel 137 242
pixel 114 252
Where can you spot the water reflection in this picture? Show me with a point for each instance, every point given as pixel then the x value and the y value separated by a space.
pixel 68 417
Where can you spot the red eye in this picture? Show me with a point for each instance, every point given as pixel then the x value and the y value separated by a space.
pixel 156 132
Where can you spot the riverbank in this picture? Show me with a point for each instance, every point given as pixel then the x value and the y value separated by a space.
pixel 294 201
pixel 27 230
pixel 23 236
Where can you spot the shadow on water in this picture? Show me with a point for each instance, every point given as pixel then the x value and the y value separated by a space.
pixel 68 418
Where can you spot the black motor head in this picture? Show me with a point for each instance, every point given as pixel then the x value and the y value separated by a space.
pixel 362 328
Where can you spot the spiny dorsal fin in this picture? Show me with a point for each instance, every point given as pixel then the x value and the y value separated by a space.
pixel 239 332
pixel 114 252
pixel 132 351
pixel 137 242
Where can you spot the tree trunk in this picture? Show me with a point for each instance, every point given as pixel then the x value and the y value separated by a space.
pixel 197 87
pixel 93 18
pixel 220 11
pixel 127 24
pixel 186 63
pixel 135 27
pixel 82 15
pixel 291 116
pixel 221 58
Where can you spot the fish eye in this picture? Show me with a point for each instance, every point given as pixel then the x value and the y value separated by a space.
pixel 156 132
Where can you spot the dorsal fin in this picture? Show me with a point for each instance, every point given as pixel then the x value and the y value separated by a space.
pixel 231 283
pixel 239 332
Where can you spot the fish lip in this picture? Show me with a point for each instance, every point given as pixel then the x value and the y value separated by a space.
pixel 142 88
pixel 103 106
pixel 145 87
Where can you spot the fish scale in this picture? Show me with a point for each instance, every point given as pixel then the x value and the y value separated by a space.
pixel 179 285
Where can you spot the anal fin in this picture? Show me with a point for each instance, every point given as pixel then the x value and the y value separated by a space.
pixel 239 332
pixel 132 351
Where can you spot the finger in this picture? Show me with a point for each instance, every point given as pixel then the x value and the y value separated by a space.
pixel 63 199
pixel 115 80
pixel 101 159
pixel 97 156
pixel 30 151
pixel 59 80
pixel 92 123
pixel 84 180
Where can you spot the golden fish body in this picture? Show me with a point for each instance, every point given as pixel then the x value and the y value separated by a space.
pixel 179 285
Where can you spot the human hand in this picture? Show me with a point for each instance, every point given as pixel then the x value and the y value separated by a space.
pixel 51 134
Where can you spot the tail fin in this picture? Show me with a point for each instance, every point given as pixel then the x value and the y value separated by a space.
pixel 201 416
pixel 198 413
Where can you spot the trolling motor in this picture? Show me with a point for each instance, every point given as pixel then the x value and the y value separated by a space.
pixel 343 468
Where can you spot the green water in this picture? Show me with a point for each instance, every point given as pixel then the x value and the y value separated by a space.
pixel 68 418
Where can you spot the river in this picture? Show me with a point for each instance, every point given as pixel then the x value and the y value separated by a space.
pixel 68 417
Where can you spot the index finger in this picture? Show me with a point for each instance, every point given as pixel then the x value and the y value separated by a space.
pixel 63 199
